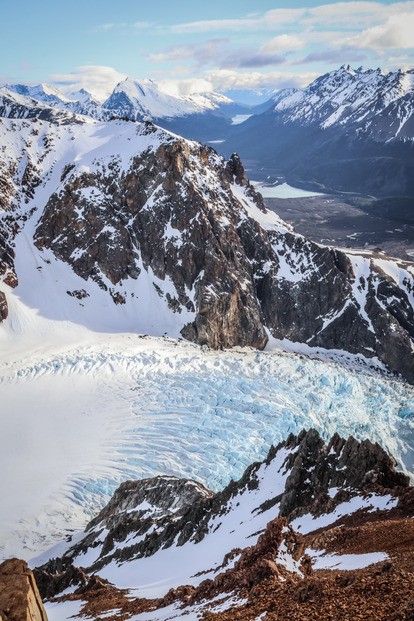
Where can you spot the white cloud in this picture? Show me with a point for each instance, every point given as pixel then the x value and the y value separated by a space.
pixel 282 43
pixel 219 53
pixel 268 21
pixel 226 79
pixel 187 86
pixel 143 25
pixel 124 26
pixel 354 14
pixel 396 33
pixel 97 79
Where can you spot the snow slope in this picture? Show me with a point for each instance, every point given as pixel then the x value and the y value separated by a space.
pixel 144 99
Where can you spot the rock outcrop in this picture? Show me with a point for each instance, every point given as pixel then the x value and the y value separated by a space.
pixel 19 595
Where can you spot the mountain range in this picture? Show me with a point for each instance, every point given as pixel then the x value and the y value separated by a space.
pixel 114 228
pixel 349 130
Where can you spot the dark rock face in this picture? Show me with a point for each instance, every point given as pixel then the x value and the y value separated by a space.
pixel 58 578
pixel 172 511
pixel 4 311
pixel 151 498
pixel 19 595
pixel 181 212
pixel 8 228
pixel 124 231
pixel 344 464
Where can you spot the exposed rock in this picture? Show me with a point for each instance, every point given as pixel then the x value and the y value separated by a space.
pixel 19 596
pixel 4 311
pixel 343 464
pixel 257 564
pixel 151 498
pixel 59 577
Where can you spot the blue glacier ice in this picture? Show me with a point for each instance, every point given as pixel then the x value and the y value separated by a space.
pixel 175 409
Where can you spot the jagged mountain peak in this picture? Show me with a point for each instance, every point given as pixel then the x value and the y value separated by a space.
pixel 42 91
pixel 354 94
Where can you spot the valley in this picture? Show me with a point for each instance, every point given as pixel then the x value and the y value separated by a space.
pixel 328 219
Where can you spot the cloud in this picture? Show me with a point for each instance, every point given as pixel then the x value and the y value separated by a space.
pixel 97 79
pixel 143 25
pixel 342 55
pixel 218 52
pixel 226 79
pixel 268 21
pixel 124 26
pixel 396 33
pixel 187 86
pixel 282 43
pixel 354 14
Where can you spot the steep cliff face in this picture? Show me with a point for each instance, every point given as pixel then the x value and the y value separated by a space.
pixel 156 221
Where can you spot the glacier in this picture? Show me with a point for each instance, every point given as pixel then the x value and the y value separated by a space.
pixel 83 415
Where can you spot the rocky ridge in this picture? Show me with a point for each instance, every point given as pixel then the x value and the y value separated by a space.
pixel 344 497
pixel 302 475
pixel 152 219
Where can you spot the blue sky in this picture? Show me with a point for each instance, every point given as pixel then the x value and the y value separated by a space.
pixel 215 45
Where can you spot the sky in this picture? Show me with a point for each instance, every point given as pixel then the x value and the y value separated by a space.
pixel 222 45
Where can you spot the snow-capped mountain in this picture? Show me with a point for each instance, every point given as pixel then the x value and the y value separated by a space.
pixel 361 99
pixel 169 233
pixel 182 550
pixel 19 106
pixel 348 130
pixel 145 100
pixel 78 102
pixel 205 116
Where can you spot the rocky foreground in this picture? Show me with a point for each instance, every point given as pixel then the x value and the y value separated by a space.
pixel 316 531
